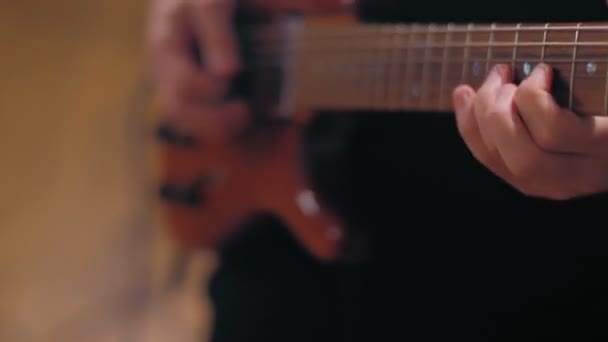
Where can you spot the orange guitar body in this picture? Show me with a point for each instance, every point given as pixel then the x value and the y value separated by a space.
pixel 237 181
pixel 209 189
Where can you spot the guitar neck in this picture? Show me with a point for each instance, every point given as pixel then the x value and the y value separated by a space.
pixel 403 67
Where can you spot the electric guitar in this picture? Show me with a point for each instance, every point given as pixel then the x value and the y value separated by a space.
pixel 297 65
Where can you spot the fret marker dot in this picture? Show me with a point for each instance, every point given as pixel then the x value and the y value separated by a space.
pixel 527 68
pixel 591 68
pixel 476 68
pixel 415 91
pixel 376 69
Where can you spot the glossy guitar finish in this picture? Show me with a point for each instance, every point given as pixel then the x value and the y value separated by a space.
pixel 210 189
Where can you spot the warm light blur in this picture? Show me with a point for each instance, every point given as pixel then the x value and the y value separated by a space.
pixel 82 256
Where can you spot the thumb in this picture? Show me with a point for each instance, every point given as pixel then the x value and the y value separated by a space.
pixel 212 22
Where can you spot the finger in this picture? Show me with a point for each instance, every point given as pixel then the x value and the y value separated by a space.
pixel 463 97
pixel 485 102
pixel 213 122
pixel 554 128
pixel 174 69
pixel 588 135
pixel 538 109
pixel 181 84
pixel 212 21
pixel 526 160
pixel 190 83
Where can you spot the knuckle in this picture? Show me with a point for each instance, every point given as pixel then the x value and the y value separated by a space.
pixel 496 112
pixel 525 88
pixel 548 138
pixel 525 168
pixel 550 135
pixel 527 95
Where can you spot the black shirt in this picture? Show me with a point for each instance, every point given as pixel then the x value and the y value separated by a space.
pixel 454 253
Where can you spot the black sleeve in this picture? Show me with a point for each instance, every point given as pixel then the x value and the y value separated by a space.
pixel 269 288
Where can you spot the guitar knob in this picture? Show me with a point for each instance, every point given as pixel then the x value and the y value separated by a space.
pixel 187 195
pixel 168 134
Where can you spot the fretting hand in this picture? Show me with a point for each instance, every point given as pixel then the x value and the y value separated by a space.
pixel 523 136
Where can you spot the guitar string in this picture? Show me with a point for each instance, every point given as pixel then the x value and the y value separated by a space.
pixel 269 51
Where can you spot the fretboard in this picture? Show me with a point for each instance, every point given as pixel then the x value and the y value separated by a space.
pixel 416 67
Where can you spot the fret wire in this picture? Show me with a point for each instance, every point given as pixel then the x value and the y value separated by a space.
pixel 348 78
pixel 388 43
pixel 371 63
pixel 409 68
pixel 386 57
pixel 466 53
pixel 330 94
pixel 490 42
pixel 515 42
pixel 372 55
pixel 444 62
pixel 342 78
pixel 367 66
pixel 425 66
pixel 606 94
pixel 573 66
pixel 380 78
pixel 544 47
pixel 396 57
pixel 362 71
pixel 404 31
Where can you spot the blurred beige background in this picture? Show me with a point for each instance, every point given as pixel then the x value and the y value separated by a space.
pixel 83 255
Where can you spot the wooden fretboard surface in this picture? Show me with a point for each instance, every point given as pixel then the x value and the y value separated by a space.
pixel 416 67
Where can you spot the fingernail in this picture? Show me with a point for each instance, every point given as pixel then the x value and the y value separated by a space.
pixel 501 70
pixel 223 66
pixel 461 101
pixel 541 68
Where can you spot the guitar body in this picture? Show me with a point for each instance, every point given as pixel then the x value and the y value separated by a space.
pixel 210 188
pixel 223 185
